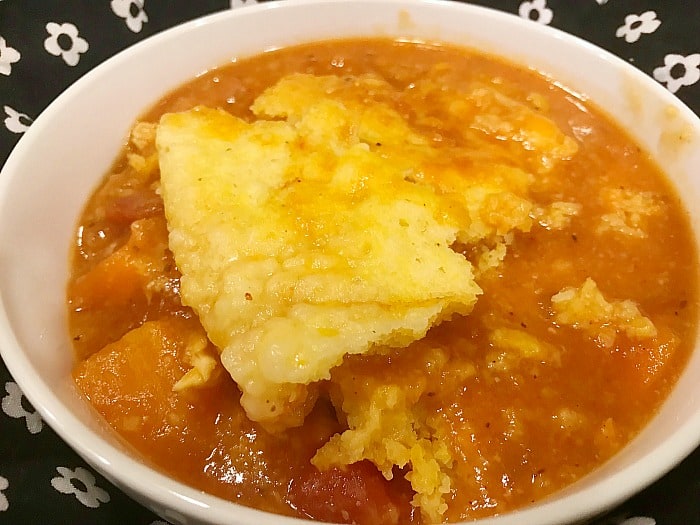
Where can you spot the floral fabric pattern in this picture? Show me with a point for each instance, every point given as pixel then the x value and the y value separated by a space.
pixel 47 45
pixel 15 121
pixel 12 406
pixel 688 65
pixel 639 520
pixel 65 42
pixel 537 11
pixel 90 496
pixel 635 25
pixel 8 56
pixel 242 3
pixel 4 504
pixel 132 11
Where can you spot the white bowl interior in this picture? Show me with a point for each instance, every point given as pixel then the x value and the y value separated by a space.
pixel 71 145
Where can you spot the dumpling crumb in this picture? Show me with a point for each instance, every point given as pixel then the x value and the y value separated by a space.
pixel 587 309
pixel 629 211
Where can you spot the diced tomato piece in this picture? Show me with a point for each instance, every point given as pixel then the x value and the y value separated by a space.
pixel 357 494
pixel 127 272
pixel 138 205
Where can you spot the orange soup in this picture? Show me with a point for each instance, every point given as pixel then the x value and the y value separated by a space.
pixel 376 282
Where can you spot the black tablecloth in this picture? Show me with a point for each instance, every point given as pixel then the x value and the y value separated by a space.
pixel 45 45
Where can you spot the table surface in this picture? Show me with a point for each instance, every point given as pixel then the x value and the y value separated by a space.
pixel 45 46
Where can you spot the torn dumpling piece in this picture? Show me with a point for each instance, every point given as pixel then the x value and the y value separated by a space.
pixel 294 257
pixel 587 309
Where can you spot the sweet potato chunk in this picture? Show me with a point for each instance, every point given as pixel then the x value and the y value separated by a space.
pixel 115 376
pixel 137 282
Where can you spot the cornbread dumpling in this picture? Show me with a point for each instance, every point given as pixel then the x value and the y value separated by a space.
pixel 511 345
pixel 205 367
pixel 557 215
pixel 587 309
pixel 143 136
pixel 628 212
pixel 389 424
pixel 491 121
pixel 500 115
pixel 290 260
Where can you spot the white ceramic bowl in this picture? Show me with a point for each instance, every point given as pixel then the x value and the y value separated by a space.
pixel 59 161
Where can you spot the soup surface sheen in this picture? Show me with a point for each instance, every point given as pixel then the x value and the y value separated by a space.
pixel 583 269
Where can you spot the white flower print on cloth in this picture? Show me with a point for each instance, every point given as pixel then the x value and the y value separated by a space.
pixel 90 496
pixel 15 121
pixel 635 25
pixel 602 2
pixel 64 41
pixel 538 8
pixel 639 520
pixel 241 3
pixel 678 71
pixel 12 406
pixel 8 56
pixel 132 11
pixel 4 504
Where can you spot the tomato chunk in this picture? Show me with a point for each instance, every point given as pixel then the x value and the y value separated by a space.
pixel 357 494
pixel 137 205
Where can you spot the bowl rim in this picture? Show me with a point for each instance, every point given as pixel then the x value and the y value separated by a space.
pixel 182 499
